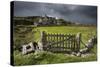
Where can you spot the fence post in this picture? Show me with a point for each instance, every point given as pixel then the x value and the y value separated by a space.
pixel 43 39
pixel 24 50
pixel 78 39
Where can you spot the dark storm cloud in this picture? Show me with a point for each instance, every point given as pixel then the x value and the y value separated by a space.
pixel 76 13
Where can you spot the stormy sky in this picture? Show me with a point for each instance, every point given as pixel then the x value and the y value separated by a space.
pixel 74 13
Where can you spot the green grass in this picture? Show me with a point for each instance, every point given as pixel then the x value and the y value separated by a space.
pixel 69 30
pixel 48 57
pixel 86 32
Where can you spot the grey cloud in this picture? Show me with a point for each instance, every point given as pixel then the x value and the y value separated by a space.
pixel 76 13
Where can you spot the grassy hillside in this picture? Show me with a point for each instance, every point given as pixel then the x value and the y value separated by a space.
pixel 26 34
pixel 85 31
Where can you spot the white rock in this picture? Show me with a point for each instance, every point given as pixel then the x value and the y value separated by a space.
pixel 31 45
pixel 40 46
pixel 24 51
pixel 78 54
pixel 83 50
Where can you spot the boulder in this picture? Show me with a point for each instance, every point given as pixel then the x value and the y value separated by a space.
pixel 28 48
pixel 90 43
pixel 84 50
pixel 24 50
pixel 40 46
pixel 78 54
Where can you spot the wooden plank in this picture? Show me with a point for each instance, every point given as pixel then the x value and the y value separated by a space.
pixel 69 43
pixel 60 40
pixel 66 42
pixel 63 41
pixel 54 38
pixel 74 43
pixel 57 40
